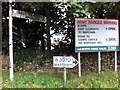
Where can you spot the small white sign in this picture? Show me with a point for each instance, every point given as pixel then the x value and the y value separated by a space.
pixel 64 61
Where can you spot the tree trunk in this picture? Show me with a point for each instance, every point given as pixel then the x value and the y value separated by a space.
pixel 42 37
pixel 48 30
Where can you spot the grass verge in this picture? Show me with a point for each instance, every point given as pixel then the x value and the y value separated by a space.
pixel 107 79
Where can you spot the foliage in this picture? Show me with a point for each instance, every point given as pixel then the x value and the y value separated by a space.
pixel 61 17
pixel 30 80
pixel 34 59
pixel 31 59
pixel 64 50
pixel 28 32
pixel 107 79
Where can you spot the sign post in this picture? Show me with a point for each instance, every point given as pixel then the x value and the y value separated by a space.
pixel 99 62
pixel 64 62
pixel 115 61
pixel 79 65
pixel 10 40
pixel 24 15
pixel 65 75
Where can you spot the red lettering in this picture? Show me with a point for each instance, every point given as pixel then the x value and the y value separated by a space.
pixel 110 22
pixel 82 22
pixel 94 22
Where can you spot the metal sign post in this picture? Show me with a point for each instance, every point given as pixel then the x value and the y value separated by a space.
pixel 65 75
pixel 79 65
pixel 10 41
pixel 115 61
pixel 99 63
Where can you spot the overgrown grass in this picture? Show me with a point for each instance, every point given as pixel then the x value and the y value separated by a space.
pixel 107 79
pixel 30 80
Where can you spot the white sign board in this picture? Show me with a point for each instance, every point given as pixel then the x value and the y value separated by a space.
pixel 96 35
pixel 26 15
pixel 64 61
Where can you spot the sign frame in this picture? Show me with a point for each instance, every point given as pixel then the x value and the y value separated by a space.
pixel 96 46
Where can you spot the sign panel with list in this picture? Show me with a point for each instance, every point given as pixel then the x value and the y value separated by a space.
pixel 96 35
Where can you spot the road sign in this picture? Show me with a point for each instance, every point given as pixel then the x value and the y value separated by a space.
pixel 64 61
pixel 96 35
pixel 27 15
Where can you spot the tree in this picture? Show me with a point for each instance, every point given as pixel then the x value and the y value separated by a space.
pixel 60 18
pixel 31 32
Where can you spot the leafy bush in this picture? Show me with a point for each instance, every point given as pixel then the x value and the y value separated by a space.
pixel 31 59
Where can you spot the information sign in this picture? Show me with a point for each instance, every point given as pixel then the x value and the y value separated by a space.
pixel 93 35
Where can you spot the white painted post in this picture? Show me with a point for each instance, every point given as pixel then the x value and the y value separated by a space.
pixel 10 40
pixel 65 75
pixel 99 63
pixel 79 65
pixel 115 61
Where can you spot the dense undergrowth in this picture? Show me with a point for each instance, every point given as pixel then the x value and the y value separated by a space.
pixel 34 59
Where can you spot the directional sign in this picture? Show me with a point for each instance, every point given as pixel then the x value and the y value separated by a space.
pixel 26 15
pixel 64 61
